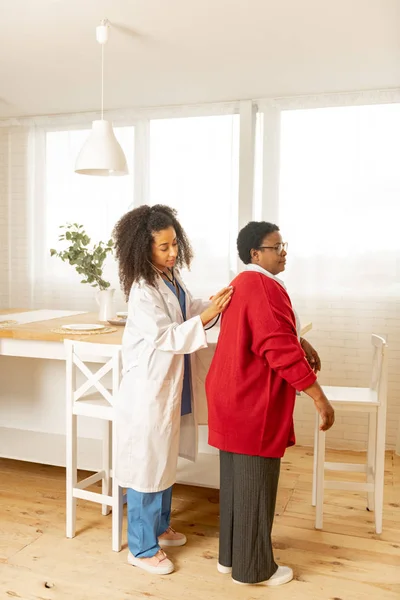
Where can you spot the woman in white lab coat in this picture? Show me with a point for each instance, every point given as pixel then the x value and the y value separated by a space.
pixel 156 408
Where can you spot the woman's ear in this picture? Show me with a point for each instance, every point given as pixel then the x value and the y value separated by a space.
pixel 254 254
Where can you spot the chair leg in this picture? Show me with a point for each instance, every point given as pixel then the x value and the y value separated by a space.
pixel 117 499
pixel 71 474
pixel 314 481
pixel 380 468
pixel 320 480
pixel 106 481
pixel 117 516
pixel 371 458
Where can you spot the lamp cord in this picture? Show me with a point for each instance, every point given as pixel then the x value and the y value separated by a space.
pixel 102 81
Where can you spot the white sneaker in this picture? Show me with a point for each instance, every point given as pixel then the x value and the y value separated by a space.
pixel 172 538
pixel 224 570
pixel 281 576
pixel 159 564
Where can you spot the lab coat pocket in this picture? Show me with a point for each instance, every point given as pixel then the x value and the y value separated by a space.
pixel 154 404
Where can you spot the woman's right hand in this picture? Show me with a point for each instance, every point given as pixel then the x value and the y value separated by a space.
pixel 326 412
pixel 322 404
pixel 219 302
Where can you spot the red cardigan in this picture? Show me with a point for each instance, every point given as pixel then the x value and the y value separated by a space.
pixel 257 367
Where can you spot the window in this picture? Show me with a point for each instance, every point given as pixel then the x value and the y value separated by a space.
pixel 194 168
pixel 339 205
pixel 95 202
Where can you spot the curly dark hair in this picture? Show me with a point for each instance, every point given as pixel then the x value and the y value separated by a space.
pixel 133 237
pixel 251 238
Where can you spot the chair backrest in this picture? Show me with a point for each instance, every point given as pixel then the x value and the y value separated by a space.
pixel 379 373
pixel 78 354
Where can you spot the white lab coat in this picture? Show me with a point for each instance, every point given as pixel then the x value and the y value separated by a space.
pixel 150 430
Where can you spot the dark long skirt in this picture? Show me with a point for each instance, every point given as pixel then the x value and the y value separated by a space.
pixel 248 490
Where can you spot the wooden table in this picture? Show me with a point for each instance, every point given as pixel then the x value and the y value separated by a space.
pixel 37 340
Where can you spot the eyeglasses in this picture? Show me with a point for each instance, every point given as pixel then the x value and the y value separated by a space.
pixel 279 248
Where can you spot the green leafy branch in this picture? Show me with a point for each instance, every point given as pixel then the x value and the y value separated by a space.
pixel 87 261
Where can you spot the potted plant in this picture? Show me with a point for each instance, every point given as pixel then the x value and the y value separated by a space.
pixel 88 262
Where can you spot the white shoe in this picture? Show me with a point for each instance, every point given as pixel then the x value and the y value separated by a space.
pixel 172 538
pixel 159 564
pixel 281 576
pixel 224 570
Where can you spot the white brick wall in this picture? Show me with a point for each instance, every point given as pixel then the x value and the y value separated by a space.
pixel 3 219
pixel 15 281
pixel 4 291
pixel 341 334
pixel 19 219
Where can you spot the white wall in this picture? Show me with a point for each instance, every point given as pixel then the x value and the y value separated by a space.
pixel 15 219
pixel 3 219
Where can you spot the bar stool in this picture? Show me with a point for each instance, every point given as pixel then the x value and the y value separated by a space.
pixel 373 401
pixel 98 405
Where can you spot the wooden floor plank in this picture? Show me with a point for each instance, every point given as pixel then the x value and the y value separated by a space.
pixel 345 561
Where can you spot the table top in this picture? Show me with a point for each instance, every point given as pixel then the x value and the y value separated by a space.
pixel 42 330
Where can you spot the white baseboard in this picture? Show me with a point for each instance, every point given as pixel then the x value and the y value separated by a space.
pixel 49 449
pixel 203 473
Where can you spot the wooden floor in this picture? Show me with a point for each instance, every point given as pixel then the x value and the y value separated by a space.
pixel 346 561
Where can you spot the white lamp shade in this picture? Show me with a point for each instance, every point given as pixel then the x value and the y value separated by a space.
pixel 101 154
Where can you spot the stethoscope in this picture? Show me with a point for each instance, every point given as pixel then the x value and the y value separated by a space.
pixel 176 285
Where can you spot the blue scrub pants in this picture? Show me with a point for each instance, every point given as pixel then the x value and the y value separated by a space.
pixel 148 518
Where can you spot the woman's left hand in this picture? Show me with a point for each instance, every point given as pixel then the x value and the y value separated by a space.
pixel 311 355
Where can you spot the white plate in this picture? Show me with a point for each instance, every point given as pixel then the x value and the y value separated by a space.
pixel 82 327
pixel 122 314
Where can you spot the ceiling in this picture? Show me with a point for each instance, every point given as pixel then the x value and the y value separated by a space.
pixel 168 52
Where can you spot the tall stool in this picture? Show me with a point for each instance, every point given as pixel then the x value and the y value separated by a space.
pixel 373 401
pixel 98 405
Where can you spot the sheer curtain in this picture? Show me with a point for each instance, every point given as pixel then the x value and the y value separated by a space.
pixel 194 168
pixel 339 199
pixel 95 202
pixel 339 209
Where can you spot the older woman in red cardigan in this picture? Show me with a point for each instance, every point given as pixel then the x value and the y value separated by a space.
pixel 258 365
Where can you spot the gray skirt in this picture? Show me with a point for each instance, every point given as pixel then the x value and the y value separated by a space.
pixel 248 489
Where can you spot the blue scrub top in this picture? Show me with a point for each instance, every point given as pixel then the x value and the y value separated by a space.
pixel 186 404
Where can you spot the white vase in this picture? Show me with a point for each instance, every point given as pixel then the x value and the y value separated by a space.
pixel 105 300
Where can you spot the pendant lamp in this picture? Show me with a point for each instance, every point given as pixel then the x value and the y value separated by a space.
pixel 101 154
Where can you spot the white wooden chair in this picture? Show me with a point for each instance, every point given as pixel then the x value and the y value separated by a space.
pixel 98 405
pixel 373 401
